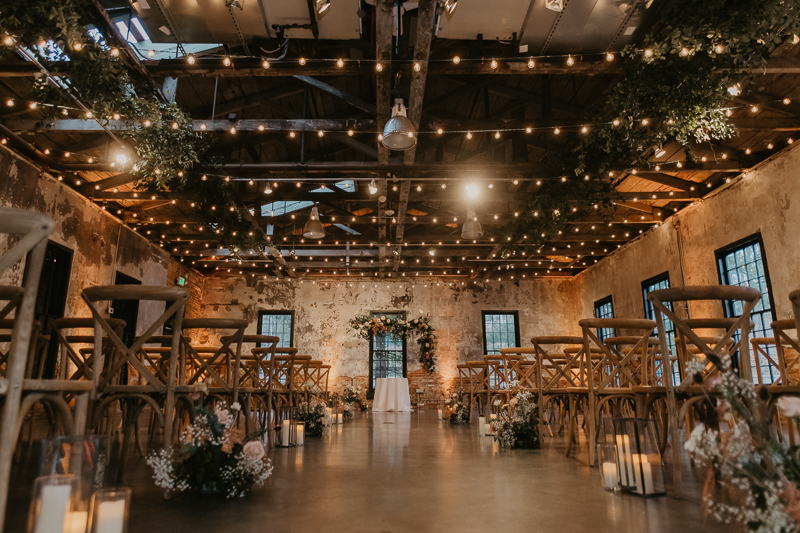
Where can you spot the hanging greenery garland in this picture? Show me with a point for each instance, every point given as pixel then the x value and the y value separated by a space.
pixel 89 69
pixel 675 88
pixel 368 326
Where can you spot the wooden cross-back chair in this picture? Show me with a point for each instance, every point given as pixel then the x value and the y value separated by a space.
pixel 157 379
pixel 558 372
pixel 501 370
pixel 75 337
pixel 256 384
pixel 32 229
pixel 716 349
pixel 612 379
pixel 283 381
pixel 788 350
pixel 218 366
pixel 478 376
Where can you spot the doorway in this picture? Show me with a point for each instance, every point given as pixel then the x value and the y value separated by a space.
pixel 127 310
pixel 51 301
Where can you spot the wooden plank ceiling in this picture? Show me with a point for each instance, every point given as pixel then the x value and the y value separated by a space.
pixel 416 230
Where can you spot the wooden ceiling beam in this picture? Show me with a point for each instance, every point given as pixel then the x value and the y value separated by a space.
pixel 347 97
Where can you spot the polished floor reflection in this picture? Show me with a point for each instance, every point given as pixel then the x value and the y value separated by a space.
pixel 388 472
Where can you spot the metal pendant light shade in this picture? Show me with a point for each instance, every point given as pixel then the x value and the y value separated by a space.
pixel 450 6
pixel 399 133
pixel 472 229
pixel 313 228
pixel 554 5
pixel 322 6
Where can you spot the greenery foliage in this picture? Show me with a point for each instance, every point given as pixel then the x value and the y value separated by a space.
pixel 678 79
pixel 168 152
pixel 367 326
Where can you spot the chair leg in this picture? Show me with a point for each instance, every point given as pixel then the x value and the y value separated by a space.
pixel 592 428
pixel 571 422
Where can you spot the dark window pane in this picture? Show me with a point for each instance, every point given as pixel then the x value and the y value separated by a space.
pixel 499 331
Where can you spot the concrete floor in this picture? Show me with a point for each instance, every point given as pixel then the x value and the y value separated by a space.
pixel 388 472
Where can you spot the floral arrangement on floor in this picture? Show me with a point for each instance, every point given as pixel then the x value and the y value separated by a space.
pixel 213 455
pixel 353 396
pixel 313 415
pixel 368 326
pixel 456 409
pixel 517 425
pixel 754 478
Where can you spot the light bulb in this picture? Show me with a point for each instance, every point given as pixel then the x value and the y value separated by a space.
pixel 456 60
pixel 378 67
pixel 151 53
pixel 556 131
pixel 493 64
pixel 570 61
pixel 226 61
pixel 531 63
pixel 265 64
pixel 648 53
pixel 440 131
pixel 190 59
pixel 339 63
pixel 350 133
pixel 302 60
pixel 609 57
pixel 469 135
pixel 417 67
pixel 291 134
pixel 321 133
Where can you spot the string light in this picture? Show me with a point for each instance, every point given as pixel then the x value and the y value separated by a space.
pixel 440 131
pixel 265 64
pixel 493 64
pixel 786 101
pixel 189 59
pixel 531 63
pixel 292 134
pixel 302 60
pixel 469 135
pixel 339 63
pixel 151 53
pixel 456 60
pixel 417 67
pixel 379 67
pixel 226 61
pixel 684 52
pixel 648 53
pixel 556 131
pixel 570 61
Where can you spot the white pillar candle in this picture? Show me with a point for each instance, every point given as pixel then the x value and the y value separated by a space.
pixel 76 522
pixel 53 508
pixel 636 473
pixel 621 470
pixel 626 444
pixel 285 433
pixel 301 434
pixel 609 475
pixel 440 413
pixel 481 425
pixel 340 418
pixel 111 517
pixel 647 475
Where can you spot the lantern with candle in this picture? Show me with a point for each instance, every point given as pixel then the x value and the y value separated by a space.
pixel 609 473
pixel 287 426
pixel 637 456
pixel 52 505
pixel 110 511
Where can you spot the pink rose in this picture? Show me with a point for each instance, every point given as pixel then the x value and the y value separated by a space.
pixel 223 416
pixel 254 449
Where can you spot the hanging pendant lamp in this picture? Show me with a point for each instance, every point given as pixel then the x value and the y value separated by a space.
pixel 313 228
pixel 472 229
pixel 399 133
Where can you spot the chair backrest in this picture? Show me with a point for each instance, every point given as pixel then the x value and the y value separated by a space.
pixel 558 366
pixel 34 228
pixel 788 350
pixel 175 297
pixel 716 349
pixel 75 337
pixel 617 368
pixel 221 364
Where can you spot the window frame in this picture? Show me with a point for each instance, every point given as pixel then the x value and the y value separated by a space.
pixel 265 312
pixel 598 304
pixel 719 255
pixel 515 314
pixel 677 373
pixel 722 273
pixel 370 387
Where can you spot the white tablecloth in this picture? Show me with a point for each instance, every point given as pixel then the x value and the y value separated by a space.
pixel 391 394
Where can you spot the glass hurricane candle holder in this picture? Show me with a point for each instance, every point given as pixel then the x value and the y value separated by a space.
pixel 83 457
pixel 300 432
pixel 639 461
pixel 51 507
pixel 109 511
pixel 609 472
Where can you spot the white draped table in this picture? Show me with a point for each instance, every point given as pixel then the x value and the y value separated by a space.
pixel 391 394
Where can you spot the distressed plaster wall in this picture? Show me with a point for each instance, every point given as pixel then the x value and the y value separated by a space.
pixel 91 233
pixel 767 200
pixel 322 312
